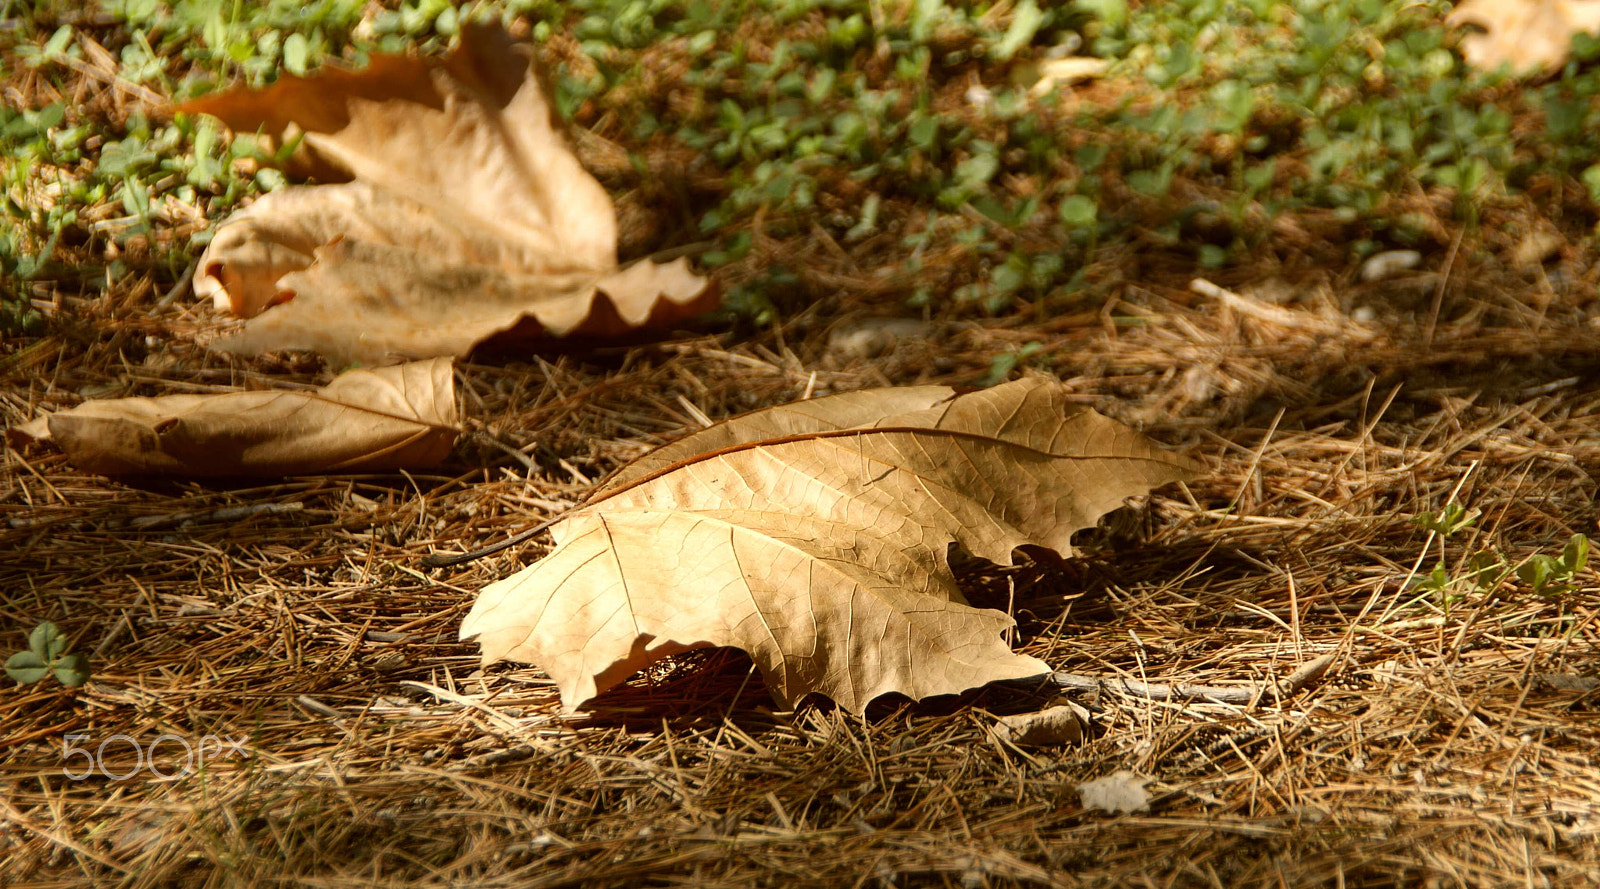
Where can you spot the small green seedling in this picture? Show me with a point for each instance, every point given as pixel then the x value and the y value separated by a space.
pixel 1486 569
pixel 1447 521
pixel 1003 364
pixel 1549 575
pixel 1435 581
pixel 47 654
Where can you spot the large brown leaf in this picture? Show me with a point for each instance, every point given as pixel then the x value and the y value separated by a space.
pixel 467 214
pixel 401 417
pixel 815 536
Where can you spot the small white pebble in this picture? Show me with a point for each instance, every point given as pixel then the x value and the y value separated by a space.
pixel 1364 315
pixel 1388 264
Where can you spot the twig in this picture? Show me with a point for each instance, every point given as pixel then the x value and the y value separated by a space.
pixel 445 560
pixel 317 707
pixel 1307 673
pixel 181 287
pixel 511 726
pixel 1256 309
pixel 515 454
pixel 1438 292
pixel 225 514
pixel 144 94
pixel 671 253
pixel 121 627
pixel 1569 682
pixel 183 520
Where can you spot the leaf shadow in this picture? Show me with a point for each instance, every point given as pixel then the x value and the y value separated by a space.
pixel 687 691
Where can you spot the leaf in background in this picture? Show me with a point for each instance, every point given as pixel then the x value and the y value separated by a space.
pixel 363 421
pixel 1531 36
pixel 467 214
pixel 1025 21
pixel 815 536
pixel 401 302
pixel 296 50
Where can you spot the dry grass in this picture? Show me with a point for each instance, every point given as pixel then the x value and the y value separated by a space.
pixel 1445 747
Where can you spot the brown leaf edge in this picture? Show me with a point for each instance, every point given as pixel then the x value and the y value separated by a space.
pixel 487 60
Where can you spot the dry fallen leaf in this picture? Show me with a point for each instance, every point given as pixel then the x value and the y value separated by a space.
pixel 1051 727
pixel 401 417
pixel 1531 36
pixel 467 213
pixel 1121 791
pixel 815 536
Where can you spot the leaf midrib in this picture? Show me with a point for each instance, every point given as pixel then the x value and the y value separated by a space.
pixel 601 497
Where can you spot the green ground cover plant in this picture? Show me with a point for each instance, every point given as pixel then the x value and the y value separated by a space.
pixel 1220 126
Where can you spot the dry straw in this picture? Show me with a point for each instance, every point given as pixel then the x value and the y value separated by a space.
pixel 1452 743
